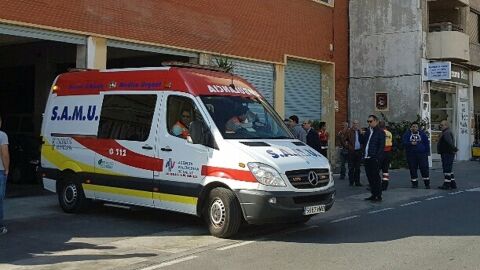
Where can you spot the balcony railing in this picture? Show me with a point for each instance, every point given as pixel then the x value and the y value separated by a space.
pixel 445 26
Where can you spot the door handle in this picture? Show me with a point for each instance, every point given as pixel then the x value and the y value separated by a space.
pixel 166 149
pixel 147 147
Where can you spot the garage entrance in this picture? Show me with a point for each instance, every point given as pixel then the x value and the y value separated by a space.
pixel 30 59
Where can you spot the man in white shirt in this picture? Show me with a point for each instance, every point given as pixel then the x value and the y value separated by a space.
pixel 4 165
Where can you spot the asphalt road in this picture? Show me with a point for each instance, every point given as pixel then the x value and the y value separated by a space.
pixel 410 229
pixel 437 232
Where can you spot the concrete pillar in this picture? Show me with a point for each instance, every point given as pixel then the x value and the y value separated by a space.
pixel 328 107
pixel 93 55
pixel 205 59
pixel 279 91
pixel 464 12
pixel 81 61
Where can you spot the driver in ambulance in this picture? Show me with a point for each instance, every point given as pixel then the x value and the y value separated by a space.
pixel 180 129
pixel 237 121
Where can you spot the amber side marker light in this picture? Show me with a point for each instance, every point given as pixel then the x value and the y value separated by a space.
pixel 87 181
pixel 55 89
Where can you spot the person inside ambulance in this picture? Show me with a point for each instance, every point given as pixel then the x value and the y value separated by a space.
pixel 180 128
pixel 238 121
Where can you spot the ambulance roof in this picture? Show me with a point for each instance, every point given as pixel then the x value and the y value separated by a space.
pixel 196 81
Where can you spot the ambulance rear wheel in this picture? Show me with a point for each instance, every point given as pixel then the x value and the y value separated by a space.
pixel 223 213
pixel 71 197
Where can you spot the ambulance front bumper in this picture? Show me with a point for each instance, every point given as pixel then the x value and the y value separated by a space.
pixel 260 207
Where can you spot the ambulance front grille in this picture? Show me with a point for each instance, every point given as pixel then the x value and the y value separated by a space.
pixel 309 178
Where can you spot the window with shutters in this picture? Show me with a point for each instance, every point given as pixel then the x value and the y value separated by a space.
pixel 473 27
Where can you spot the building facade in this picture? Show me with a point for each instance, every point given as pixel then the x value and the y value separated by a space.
pixel 414 58
pixel 294 52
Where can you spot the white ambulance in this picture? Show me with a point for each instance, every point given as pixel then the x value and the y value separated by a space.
pixel 184 139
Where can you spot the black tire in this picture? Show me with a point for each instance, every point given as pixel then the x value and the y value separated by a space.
pixel 71 196
pixel 223 213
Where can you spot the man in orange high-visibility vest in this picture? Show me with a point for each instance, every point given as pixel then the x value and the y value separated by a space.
pixel 387 155
pixel 180 128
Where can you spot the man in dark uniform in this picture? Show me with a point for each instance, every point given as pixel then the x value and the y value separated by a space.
pixel 374 141
pixel 447 149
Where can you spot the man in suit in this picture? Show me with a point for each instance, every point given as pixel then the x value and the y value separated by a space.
pixel 354 147
pixel 374 141
pixel 312 136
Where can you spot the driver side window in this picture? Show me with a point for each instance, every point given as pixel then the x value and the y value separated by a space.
pixel 180 114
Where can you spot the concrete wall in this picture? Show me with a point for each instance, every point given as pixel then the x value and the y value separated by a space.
pixel 385 52
pixel 475 4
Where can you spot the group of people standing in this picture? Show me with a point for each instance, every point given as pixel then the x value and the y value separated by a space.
pixel 317 139
pixel 417 148
pixel 356 145
pixel 374 145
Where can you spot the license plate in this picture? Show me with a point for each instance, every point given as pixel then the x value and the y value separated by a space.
pixel 315 209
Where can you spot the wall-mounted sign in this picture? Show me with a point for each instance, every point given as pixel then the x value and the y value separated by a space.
pixel 439 71
pixel 444 71
pixel 460 75
pixel 381 101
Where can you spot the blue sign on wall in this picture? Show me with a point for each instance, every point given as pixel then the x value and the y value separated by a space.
pixel 439 71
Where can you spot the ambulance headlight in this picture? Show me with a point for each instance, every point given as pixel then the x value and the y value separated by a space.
pixel 266 175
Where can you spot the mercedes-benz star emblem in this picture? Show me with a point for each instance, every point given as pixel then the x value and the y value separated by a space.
pixel 313 178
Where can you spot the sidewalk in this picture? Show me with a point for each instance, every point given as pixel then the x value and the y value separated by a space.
pixel 350 199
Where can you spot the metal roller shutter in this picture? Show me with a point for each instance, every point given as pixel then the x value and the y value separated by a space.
pixel 260 75
pixel 303 90
pixel 20 31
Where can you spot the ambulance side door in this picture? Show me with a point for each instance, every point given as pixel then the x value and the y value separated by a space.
pixel 179 184
pixel 125 161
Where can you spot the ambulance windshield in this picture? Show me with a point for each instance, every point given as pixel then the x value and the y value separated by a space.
pixel 245 118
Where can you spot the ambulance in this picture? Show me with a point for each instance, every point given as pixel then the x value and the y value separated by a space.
pixel 189 139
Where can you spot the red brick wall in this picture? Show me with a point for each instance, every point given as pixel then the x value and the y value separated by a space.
pixel 258 29
pixel 341 56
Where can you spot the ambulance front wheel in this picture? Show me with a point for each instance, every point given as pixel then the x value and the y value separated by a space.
pixel 71 197
pixel 223 213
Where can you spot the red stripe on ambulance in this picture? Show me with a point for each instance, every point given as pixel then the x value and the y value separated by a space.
pixel 233 174
pixel 113 150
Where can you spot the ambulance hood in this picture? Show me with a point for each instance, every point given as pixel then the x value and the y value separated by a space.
pixel 283 155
